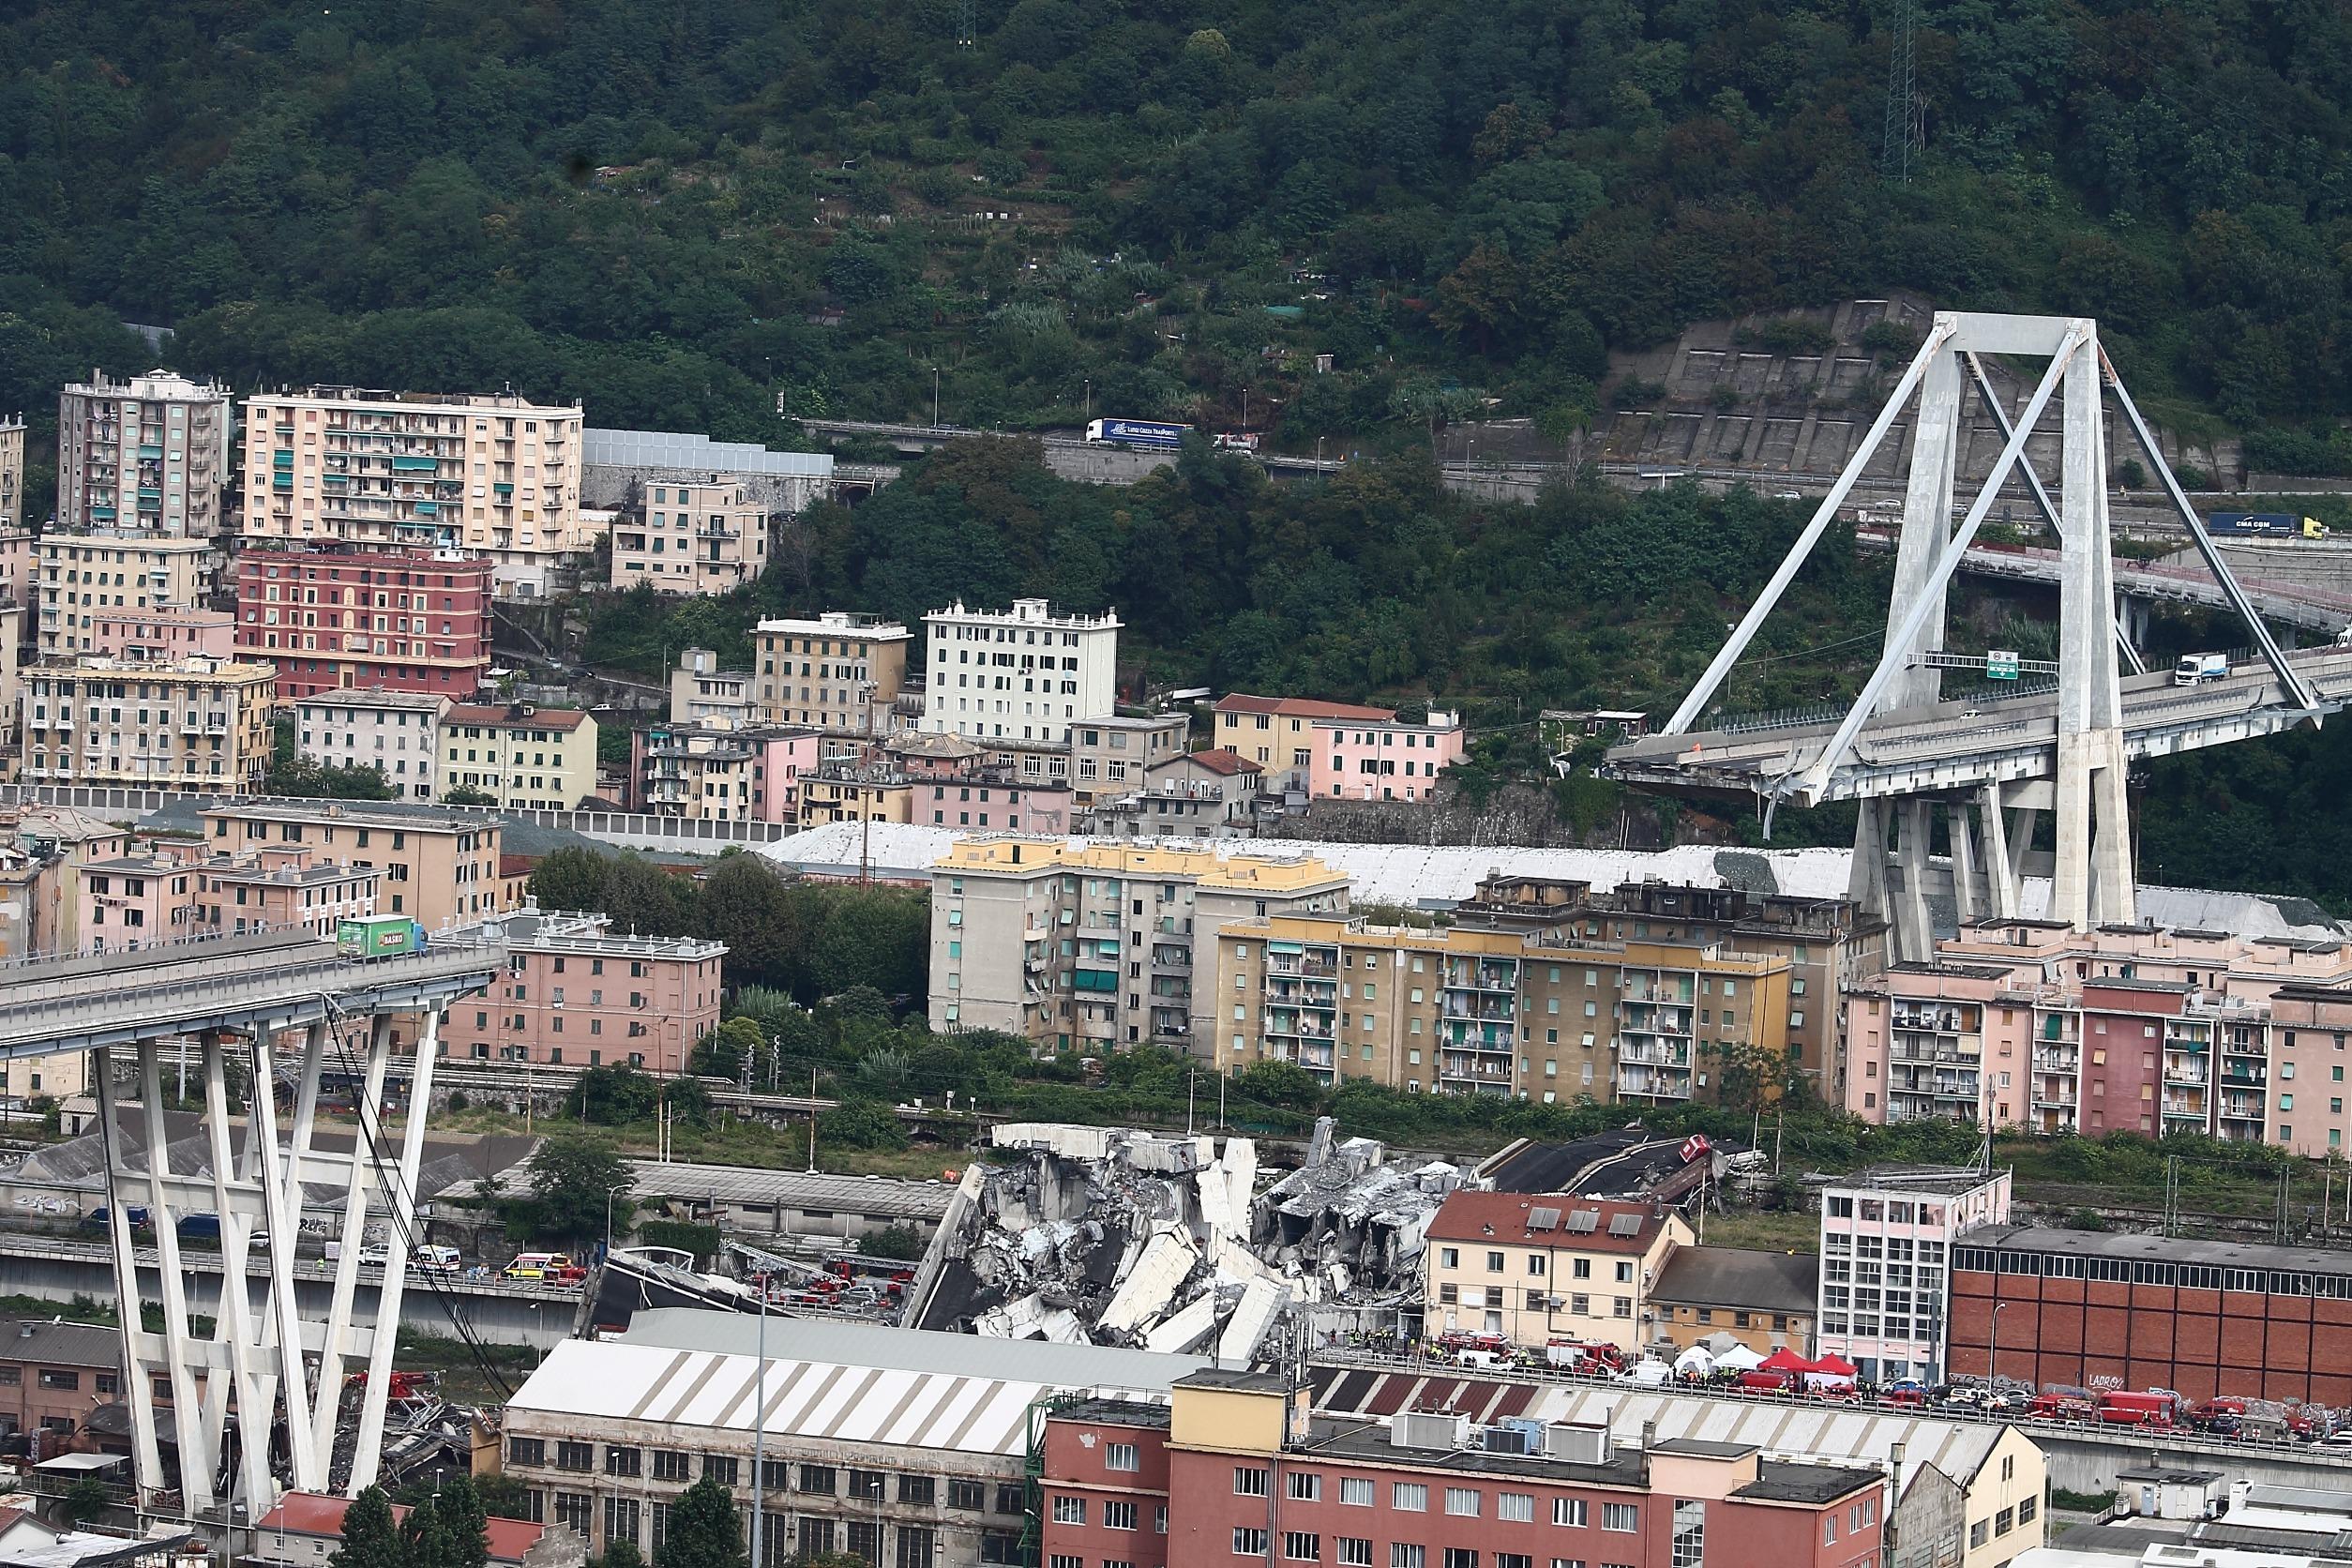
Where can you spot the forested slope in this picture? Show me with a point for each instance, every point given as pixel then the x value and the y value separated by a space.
pixel 641 203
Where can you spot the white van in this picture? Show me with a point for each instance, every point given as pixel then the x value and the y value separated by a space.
pixel 436 1259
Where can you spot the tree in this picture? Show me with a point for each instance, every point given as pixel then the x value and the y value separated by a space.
pixel 897 1241
pixel 304 777
pixel 370 1539
pixel 570 1178
pixel 466 795
pixel 571 878
pixel 85 1499
pixel 704 1531
pixel 621 1554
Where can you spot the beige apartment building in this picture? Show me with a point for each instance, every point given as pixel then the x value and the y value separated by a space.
pixel 1535 1268
pixel 145 456
pixel 1479 1012
pixel 576 994
pixel 93 721
pixel 81 576
pixel 1093 947
pixel 398 732
pixel 534 758
pixel 440 868
pixel 840 672
pixel 710 536
pixel 489 473
pixel 701 693
pixel 12 472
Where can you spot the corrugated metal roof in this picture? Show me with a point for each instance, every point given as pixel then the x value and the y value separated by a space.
pixel 679 450
pixel 729 1184
pixel 847 1382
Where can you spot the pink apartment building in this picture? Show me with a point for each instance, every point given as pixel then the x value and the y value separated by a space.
pixel 719 774
pixel 1390 759
pixel 172 890
pixel 576 995
pixel 163 634
pixel 2121 1029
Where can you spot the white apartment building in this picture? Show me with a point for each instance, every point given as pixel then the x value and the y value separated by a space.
pixel 1092 947
pixel 1886 1263
pixel 398 732
pixel 491 474
pixel 1022 674
pixel 707 536
pixel 84 576
pixel 11 470
pixel 149 454
pixel 702 693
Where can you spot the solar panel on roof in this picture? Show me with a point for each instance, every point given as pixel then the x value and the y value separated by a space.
pixel 1584 1221
pixel 1625 1225
pixel 1544 1219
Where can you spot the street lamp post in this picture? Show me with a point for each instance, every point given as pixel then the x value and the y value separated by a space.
pixel 611 1193
pixel 1992 1331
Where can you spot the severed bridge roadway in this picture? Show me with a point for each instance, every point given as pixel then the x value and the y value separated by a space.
pixel 1962 744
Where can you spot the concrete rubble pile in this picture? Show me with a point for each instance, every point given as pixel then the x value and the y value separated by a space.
pixel 1110 1236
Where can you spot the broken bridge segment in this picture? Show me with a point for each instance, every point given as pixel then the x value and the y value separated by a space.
pixel 1112 1236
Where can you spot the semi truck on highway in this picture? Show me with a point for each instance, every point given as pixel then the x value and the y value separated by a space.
pixel 381 936
pixel 2265 525
pixel 1135 432
pixel 2197 669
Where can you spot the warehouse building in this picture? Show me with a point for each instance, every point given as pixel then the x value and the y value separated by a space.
pixel 904 1447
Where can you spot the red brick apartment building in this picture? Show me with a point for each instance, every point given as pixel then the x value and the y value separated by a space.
pixel 331 620
pixel 1237 1471
pixel 2203 1318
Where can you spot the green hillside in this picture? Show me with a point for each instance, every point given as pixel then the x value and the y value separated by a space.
pixel 644 205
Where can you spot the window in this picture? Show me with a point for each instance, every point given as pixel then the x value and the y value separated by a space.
pixel 1009 1498
pixel 1571 1511
pixel 1123 1456
pixel 922 1490
pixel 817 1479
pixel 1301 1546
pixel 971 1496
pixel 1355 1492
pixel 1404 1554
pixel 1119 1516
pixel 2026 1507
pixel 1978 1532
pixel 1249 1480
pixel 526 1451
pixel 1513 1559
pixel 573 1509
pixel 1409 1497
pixel 574 1455
pixel 1460 1557
pixel 1248 1542
pixel 917 1548
pixel 2005 1521
pixel 1352 1551
pixel 868 1485
pixel 723 1469
pixel 670 1465
pixel 815 1536
pixel 864 1540
pixel 1306 1487
pixel 620 1520
pixel 1063 1561
pixel 52 1378
pixel 1069 1511
pixel 1623 1518
pixel 1518 1507
pixel 1462 1501
pixel 1450 1257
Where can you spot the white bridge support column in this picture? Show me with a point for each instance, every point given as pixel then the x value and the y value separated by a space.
pixel 264 1370
pixel 2092 880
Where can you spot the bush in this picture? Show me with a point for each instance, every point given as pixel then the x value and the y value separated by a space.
pixel 702 1241
pixel 900 1240
pixel 2130 474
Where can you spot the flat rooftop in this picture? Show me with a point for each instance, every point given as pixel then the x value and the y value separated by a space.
pixel 2158 1249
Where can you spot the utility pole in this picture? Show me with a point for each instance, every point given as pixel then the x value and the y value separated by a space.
pixel 1221 1102
pixel 812 1120
pixel 760 1428
pixel 1191 1079
pixel 935 397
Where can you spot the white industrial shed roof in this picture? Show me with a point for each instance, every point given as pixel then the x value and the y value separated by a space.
pixel 674 450
pixel 1439 875
pixel 839 1381
pixel 885 1196
pixel 1798 1432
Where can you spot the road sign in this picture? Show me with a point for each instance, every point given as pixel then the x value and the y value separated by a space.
pixel 2000 664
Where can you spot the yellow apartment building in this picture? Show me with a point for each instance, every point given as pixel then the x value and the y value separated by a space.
pixel 1467 1011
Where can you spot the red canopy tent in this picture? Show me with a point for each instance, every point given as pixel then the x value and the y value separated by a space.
pixel 1787 1360
pixel 1835 1365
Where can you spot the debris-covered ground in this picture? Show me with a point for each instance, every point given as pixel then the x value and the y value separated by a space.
pixel 1115 1237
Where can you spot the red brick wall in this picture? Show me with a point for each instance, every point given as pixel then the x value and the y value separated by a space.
pixel 2199 1343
